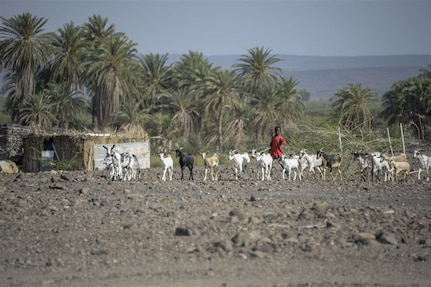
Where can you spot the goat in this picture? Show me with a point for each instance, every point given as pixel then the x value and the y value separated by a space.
pixel 312 161
pixel 380 164
pixel 130 165
pixel 240 162
pixel 425 162
pixel 399 166
pixel 186 160
pixel 211 163
pixel 112 166
pixel 365 162
pixel 398 158
pixel 330 161
pixel 292 164
pixel 167 165
pixel 114 163
pixel 264 162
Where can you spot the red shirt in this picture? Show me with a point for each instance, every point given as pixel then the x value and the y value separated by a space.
pixel 276 146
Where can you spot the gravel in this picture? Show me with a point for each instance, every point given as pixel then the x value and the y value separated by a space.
pixel 77 228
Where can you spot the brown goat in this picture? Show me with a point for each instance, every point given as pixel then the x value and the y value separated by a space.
pixel 330 161
pixel 211 163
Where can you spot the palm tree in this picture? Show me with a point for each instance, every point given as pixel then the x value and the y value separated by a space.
pixel 131 118
pixel 408 101
pixel 257 68
pixel 192 71
pixel 67 104
pixel 111 70
pixel 96 30
pixel 291 100
pixel 395 104
pixel 182 105
pixel 37 109
pixel 351 107
pixel 25 50
pixel 265 111
pixel 222 94
pixel 235 127
pixel 69 46
pixel 157 77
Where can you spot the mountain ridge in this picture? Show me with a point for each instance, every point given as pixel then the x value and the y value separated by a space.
pixel 323 75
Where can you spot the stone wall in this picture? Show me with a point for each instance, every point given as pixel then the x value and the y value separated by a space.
pixel 11 140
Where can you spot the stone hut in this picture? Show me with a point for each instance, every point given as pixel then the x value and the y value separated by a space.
pixel 11 141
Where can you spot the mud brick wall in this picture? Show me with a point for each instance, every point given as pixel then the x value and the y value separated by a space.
pixel 11 139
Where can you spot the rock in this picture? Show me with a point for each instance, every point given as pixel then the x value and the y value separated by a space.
pixel 386 238
pixel 84 190
pixel 65 176
pixel 8 166
pixel 57 186
pixel 180 231
pixel 238 213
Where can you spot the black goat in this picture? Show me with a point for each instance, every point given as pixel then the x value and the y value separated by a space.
pixel 186 160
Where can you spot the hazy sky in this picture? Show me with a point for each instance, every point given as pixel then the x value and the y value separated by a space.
pixel 214 27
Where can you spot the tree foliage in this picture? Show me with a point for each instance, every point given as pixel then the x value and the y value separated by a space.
pixel 188 102
pixel 351 107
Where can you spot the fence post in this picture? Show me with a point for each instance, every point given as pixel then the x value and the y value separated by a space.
pixel 390 144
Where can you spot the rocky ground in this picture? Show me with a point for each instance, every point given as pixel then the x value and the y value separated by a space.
pixel 78 229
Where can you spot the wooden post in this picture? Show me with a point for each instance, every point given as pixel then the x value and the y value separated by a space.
pixel 339 139
pixel 390 144
pixel 402 138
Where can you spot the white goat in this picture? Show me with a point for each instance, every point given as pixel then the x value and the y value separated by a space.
pixel 167 165
pixel 130 165
pixel 264 163
pixel 425 162
pixel 210 163
pixel 380 165
pixel 112 165
pixel 240 162
pixel 113 160
pixel 395 158
pixel 123 163
pixel 312 162
pixel 292 164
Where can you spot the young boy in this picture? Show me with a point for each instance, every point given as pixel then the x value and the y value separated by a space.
pixel 276 146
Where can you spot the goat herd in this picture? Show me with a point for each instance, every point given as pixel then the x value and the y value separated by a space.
pixel 125 167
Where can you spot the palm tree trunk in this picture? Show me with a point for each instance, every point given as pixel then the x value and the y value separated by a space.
pixel 220 130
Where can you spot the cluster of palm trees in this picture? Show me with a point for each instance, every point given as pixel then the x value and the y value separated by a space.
pixel 57 80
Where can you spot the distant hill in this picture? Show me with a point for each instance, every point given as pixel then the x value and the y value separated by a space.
pixel 322 76
pixel 322 84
